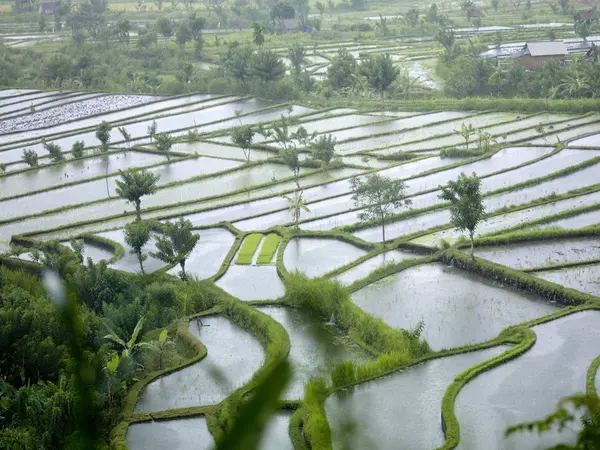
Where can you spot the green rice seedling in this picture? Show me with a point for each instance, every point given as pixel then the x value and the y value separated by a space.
pixel 248 248
pixel 268 248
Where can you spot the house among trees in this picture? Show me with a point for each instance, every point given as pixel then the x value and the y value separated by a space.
pixel 534 55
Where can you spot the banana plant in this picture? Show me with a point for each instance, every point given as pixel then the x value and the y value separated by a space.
pixel 296 204
pixel 128 348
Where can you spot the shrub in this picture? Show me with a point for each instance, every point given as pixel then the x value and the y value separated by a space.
pixel 398 156
pixel 30 157
pixel 77 149
pixel 454 152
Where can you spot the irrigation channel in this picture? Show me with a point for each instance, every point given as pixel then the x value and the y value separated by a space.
pixel 537 256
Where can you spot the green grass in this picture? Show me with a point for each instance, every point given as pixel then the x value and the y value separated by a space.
pixel 268 248
pixel 248 248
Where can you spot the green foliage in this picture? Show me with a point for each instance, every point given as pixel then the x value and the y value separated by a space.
pixel 341 73
pixel 134 184
pixel 466 203
pixel 242 137
pixel 54 150
pixel 324 148
pixel 295 206
pixel 379 196
pixel 177 243
pixel 163 144
pixel 316 426
pixel 258 36
pixel 248 248
pixel 152 129
pixel 588 438
pixel 380 72
pixel 103 135
pixel 137 235
pixel 297 56
pixel 77 149
pixel 30 157
pixel 126 136
pixel 266 66
pixel 398 156
pixel 268 248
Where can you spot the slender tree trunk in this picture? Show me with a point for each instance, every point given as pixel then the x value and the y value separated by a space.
pixel 138 210
pixel 183 274
pixel 106 177
pixel 139 255
pixel 471 234
pixel 383 228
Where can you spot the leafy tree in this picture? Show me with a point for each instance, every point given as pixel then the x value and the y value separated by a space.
pixel 134 185
pixel 242 137
pixel 466 203
pixel 280 11
pixel 77 149
pixel 42 23
pixel 297 56
pixel 137 235
pixel 379 196
pixel 196 25
pixel 126 136
pixel 151 130
pixel 380 72
pixel 447 39
pixel 296 205
pixel 57 70
pixel 122 29
pixel 103 135
pixel 30 157
pixel 432 13
pixel 321 8
pixel 258 36
pixel 237 64
pixel 165 27
pixel 182 35
pixel 342 71
pixel 164 142
pixel 324 148
pixel 56 153
pixel 495 4
pixel 266 66
pixel 177 244
pixel 582 29
pixel 3 168
pixel 412 17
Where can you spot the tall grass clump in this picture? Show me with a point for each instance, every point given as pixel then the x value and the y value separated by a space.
pixel 316 426
pixel 328 298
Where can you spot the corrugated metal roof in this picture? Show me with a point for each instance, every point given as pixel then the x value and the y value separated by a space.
pixel 550 48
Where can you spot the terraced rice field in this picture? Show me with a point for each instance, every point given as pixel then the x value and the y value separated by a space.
pixel 542 206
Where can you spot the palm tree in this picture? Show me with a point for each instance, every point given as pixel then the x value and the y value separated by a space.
pixel 126 136
pixel 135 184
pixel 466 131
pixel 296 204
pixel 258 34
pixel 575 85
pixel 177 244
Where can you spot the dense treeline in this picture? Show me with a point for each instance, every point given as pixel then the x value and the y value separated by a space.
pixel 38 384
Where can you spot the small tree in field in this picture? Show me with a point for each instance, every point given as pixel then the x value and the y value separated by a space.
pixel 466 131
pixel 177 244
pixel 379 196
pixel 466 203
pixel 152 128
pixel 56 153
pixel 30 157
pixel 296 205
pixel 103 135
pixel 126 136
pixel 242 137
pixel 137 235
pixel 164 142
pixel 324 149
pixel 134 185
pixel 77 149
